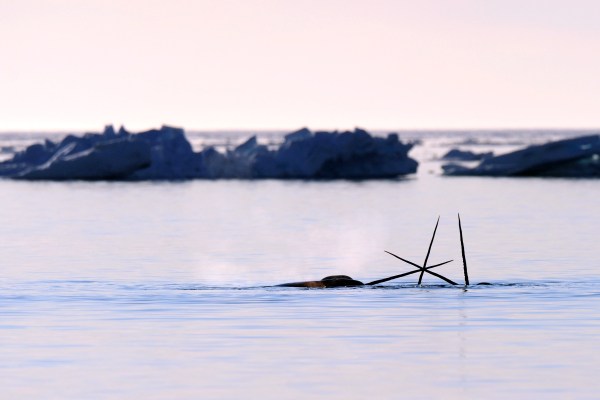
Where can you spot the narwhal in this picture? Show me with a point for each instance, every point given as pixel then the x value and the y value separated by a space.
pixel 347 281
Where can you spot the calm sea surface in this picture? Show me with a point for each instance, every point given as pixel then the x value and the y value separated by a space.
pixel 162 290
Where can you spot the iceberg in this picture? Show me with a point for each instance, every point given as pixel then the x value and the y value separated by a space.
pixel 464 155
pixel 333 155
pixel 577 157
pixel 166 154
pixel 115 159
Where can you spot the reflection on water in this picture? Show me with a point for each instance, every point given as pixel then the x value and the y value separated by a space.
pixel 162 290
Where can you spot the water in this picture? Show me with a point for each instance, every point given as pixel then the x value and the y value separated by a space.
pixel 161 290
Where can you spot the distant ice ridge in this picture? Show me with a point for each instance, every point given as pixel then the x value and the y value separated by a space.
pixel 455 154
pixel 578 157
pixel 165 153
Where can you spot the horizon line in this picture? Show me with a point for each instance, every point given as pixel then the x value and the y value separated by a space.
pixel 329 129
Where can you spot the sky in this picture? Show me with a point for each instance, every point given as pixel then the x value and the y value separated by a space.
pixel 280 64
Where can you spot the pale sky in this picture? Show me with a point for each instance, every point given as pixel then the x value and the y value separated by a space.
pixel 279 64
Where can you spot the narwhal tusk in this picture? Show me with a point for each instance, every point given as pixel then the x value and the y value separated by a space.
pixel 441 277
pixel 414 264
pixel 437 265
pixel 464 257
pixel 406 273
pixel 428 252
pixel 406 261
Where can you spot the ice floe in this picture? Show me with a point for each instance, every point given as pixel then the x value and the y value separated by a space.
pixel 166 153
pixel 465 155
pixel 577 157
